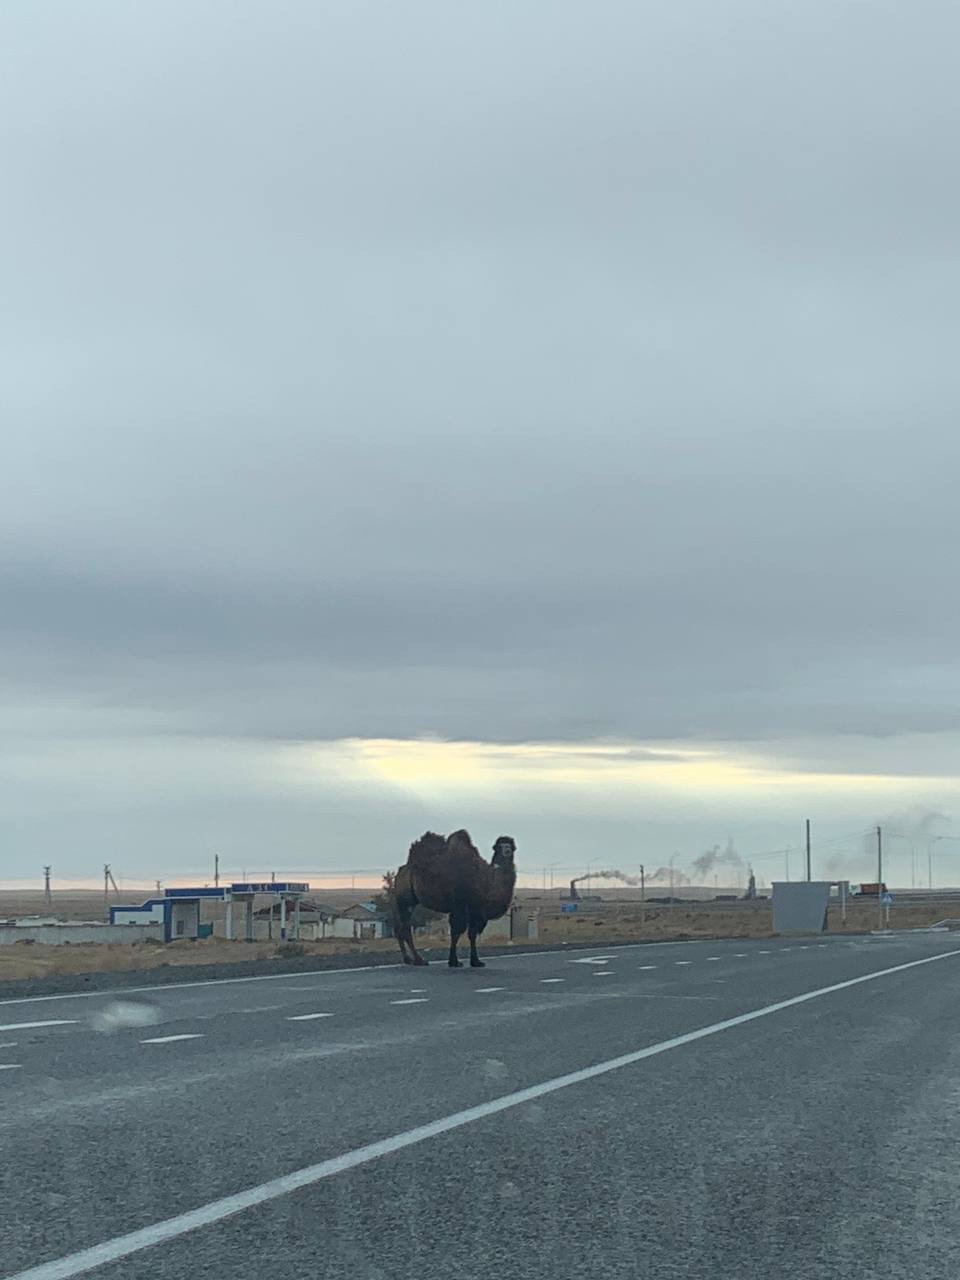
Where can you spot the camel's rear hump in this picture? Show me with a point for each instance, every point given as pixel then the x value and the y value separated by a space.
pixel 424 852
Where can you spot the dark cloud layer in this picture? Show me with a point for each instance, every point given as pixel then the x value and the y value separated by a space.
pixel 555 373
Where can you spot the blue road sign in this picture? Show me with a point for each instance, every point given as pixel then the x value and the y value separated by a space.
pixel 569 906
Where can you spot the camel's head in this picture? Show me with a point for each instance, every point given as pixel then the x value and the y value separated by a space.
pixel 504 848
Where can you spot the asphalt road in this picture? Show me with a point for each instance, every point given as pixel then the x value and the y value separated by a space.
pixel 818 1138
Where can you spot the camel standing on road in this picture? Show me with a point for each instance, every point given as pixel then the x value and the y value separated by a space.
pixel 450 876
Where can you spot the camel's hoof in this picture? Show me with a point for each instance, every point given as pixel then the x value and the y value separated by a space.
pixel 477 964
pixel 454 964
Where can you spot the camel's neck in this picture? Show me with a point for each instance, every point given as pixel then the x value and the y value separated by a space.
pixel 504 880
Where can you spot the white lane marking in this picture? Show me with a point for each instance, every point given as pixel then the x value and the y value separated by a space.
pixel 714 957
pixel 594 960
pixel 76 1264
pixel 307 1017
pixel 9 1044
pixel 605 973
pixel 553 979
pixel 262 1008
pixel 648 966
pixel 763 953
pixel 683 962
pixel 50 1022
pixel 193 1035
pixel 483 991
pixel 10 1066
pixel 739 955
pixel 412 1000
pixel 313 973
pixel 417 991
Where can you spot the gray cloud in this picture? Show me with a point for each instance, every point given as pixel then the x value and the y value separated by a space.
pixel 529 376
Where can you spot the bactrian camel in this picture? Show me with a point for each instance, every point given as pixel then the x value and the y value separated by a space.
pixel 450 876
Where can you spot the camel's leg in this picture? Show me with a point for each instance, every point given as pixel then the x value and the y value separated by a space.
pixel 476 927
pixel 458 922
pixel 404 904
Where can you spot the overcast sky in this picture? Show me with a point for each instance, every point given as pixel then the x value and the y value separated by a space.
pixel 534 379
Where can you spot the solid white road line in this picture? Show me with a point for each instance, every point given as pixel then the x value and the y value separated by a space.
pixel 50 1022
pixel 194 1035
pixel 76 1264
pixel 412 1000
pixel 307 1017
pixel 483 991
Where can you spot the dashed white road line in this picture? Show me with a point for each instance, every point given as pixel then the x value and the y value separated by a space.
pixel 182 1224
pixel 484 991
pixel 412 1000
pixel 9 1044
pixel 605 973
pixel 193 1035
pixel 553 979
pixel 763 953
pixel 648 966
pixel 683 962
pixel 50 1022
pixel 10 1066
pixel 714 957
pixel 739 955
pixel 262 1008
pixel 307 1017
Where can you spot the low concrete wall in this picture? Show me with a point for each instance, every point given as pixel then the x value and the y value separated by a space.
pixel 57 934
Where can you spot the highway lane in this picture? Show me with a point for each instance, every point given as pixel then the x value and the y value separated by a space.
pixel 112 1133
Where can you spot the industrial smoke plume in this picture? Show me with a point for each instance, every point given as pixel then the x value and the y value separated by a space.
pixel 609 875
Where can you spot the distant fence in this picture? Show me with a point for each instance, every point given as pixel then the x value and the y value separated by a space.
pixel 58 934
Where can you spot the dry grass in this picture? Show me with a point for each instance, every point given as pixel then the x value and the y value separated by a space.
pixel 34 960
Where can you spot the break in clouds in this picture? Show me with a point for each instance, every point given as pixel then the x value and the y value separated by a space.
pixel 545 376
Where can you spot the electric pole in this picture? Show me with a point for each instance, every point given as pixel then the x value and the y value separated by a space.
pixel 808 851
pixel 47 900
pixel 158 888
pixel 108 880
pixel 216 870
pixel 880 876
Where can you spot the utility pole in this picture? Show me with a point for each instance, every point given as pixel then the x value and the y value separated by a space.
pixel 47 900
pixel 808 851
pixel 643 895
pixel 880 876
pixel 158 888
pixel 108 880
pixel 216 870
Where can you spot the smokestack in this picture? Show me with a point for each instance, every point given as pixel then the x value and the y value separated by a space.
pixel 573 889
